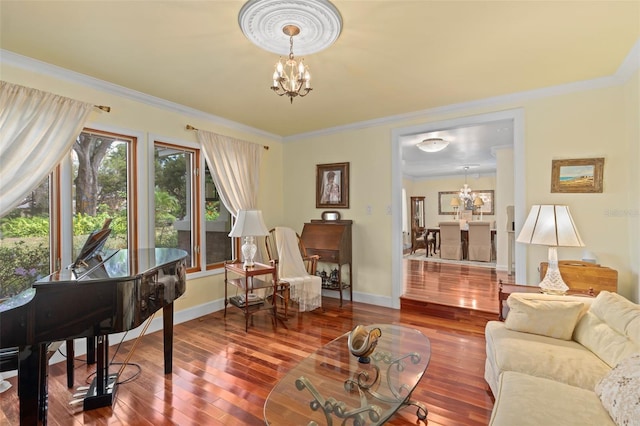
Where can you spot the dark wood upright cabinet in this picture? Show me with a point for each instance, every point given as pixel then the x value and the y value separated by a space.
pixel 331 240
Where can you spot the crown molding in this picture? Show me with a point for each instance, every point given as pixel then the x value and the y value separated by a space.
pixel 30 64
pixel 629 66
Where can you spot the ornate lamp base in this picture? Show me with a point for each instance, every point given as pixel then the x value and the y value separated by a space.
pixel 553 282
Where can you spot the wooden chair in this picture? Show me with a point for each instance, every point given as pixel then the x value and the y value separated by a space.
pixel 479 241
pixel 310 263
pixel 450 240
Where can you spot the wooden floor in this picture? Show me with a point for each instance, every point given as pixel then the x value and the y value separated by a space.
pixel 222 375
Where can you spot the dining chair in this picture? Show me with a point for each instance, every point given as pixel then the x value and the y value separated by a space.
pixel 450 240
pixel 480 247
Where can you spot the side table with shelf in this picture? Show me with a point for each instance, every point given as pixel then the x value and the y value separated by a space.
pixel 246 282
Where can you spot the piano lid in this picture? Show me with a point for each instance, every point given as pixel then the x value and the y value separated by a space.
pixel 121 264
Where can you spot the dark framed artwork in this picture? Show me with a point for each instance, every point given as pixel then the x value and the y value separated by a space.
pixel 332 186
pixel 581 175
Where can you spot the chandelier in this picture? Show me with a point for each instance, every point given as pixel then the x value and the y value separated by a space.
pixel 292 78
pixel 465 193
pixel 261 21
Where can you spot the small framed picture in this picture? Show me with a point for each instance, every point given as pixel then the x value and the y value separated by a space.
pixel 579 175
pixel 332 186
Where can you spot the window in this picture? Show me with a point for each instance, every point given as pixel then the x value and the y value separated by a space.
pixel 188 209
pixel 176 194
pixel 99 185
pixel 218 225
pixel 24 242
pixel 102 186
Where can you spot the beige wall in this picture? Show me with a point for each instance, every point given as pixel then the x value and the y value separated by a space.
pixel 591 123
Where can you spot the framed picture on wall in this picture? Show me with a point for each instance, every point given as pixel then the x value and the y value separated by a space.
pixel 445 197
pixel 579 175
pixel 332 186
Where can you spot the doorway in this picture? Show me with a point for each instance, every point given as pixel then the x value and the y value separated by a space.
pixel 517 119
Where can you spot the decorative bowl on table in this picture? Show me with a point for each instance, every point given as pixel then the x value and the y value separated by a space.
pixel 362 343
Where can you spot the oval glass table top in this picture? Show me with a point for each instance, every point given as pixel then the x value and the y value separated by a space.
pixel 331 385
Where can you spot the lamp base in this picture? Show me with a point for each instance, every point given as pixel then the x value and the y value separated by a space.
pixel 248 252
pixel 553 282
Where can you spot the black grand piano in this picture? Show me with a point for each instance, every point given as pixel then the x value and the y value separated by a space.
pixel 114 292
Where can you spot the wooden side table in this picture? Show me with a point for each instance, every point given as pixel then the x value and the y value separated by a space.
pixel 245 281
pixel 505 291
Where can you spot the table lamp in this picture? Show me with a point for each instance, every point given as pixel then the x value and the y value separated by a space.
pixel 551 225
pixel 249 224
pixel 455 203
pixel 478 203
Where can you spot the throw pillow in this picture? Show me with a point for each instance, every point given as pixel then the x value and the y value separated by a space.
pixel 619 392
pixel 550 318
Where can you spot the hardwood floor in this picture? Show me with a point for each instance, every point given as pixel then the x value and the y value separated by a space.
pixel 222 375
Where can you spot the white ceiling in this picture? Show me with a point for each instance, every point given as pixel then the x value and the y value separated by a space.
pixel 470 146
pixel 393 57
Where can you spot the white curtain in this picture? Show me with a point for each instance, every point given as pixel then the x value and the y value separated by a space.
pixel 235 168
pixel 37 129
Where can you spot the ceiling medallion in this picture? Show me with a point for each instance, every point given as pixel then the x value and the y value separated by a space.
pixel 263 23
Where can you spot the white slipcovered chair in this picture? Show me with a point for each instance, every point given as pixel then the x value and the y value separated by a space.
pixel 480 241
pixel 450 240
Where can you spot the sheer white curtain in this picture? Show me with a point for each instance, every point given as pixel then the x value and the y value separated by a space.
pixel 235 168
pixel 37 129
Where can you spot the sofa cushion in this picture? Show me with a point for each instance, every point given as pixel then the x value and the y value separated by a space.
pixel 525 400
pixel 610 328
pixel 565 361
pixel 545 317
pixel 619 391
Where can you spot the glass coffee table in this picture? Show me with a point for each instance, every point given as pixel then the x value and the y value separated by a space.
pixel 332 386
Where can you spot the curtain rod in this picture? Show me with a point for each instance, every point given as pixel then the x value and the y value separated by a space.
pixel 103 108
pixel 190 127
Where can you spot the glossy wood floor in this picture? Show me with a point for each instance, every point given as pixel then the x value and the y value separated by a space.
pixel 222 375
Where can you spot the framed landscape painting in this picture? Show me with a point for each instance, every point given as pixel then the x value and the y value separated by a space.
pixel 579 175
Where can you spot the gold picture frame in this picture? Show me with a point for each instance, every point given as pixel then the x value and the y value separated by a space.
pixel 332 186
pixel 582 175
pixel 487 195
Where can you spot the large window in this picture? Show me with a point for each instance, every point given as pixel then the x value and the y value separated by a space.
pixel 99 181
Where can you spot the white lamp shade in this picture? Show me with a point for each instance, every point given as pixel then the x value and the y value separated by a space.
pixel 249 223
pixel 550 225
pixel 432 145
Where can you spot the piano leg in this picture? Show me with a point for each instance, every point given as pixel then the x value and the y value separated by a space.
pixel 167 326
pixel 91 350
pixel 71 354
pixel 32 384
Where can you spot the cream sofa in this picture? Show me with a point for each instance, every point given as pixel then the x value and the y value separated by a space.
pixel 565 360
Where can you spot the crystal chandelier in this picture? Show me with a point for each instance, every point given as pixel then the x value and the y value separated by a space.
pixel 292 78
pixel 465 193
